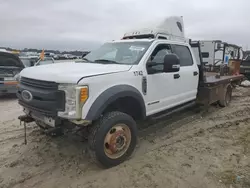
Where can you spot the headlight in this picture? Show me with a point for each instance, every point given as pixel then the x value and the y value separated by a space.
pixel 75 97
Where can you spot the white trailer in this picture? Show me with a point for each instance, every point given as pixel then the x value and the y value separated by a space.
pixel 216 52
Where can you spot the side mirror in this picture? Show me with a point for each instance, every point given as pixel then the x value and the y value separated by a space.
pixel 171 63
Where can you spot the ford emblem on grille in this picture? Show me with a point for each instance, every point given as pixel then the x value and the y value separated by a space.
pixel 26 95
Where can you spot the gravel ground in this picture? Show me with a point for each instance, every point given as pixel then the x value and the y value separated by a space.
pixel 186 150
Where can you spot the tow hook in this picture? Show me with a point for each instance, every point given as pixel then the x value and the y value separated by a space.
pixel 25 119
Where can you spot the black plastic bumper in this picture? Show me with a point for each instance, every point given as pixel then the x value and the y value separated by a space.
pixel 46 98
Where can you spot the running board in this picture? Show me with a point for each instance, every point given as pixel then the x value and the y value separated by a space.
pixel 173 110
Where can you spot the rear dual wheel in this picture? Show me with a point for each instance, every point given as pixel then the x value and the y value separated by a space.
pixel 226 97
pixel 112 139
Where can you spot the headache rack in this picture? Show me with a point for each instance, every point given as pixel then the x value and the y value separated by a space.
pixel 219 57
pixel 207 70
pixel 212 82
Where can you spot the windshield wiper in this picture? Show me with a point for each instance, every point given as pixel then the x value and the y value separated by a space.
pixel 106 61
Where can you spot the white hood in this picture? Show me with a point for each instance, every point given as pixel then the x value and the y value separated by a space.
pixel 70 72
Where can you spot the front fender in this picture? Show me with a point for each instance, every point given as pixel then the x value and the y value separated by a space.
pixel 112 94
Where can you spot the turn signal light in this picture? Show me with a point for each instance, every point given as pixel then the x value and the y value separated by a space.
pixel 84 94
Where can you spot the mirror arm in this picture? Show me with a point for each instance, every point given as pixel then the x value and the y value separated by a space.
pixel 151 64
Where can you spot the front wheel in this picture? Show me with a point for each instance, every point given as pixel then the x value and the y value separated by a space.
pixel 112 139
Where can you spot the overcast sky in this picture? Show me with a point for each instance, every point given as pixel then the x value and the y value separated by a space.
pixel 85 24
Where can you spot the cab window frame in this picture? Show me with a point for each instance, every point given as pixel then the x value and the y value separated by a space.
pixel 149 60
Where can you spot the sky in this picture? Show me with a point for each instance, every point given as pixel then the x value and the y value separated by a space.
pixel 86 24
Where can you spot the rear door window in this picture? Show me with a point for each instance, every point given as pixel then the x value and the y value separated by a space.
pixel 184 54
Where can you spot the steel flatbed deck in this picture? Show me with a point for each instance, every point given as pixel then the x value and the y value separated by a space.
pixel 212 80
pixel 214 89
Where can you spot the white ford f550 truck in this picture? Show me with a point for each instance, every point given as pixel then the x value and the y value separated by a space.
pixel 146 73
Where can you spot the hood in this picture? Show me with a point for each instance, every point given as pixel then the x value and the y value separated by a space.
pixel 71 72
pixel 9 60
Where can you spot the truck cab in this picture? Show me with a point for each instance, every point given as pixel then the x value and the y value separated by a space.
pixel 146 72
pixel 10 66
pixel 245 67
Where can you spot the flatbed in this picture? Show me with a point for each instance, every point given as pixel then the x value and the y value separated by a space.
pixel 212 80
pixel 214 86
pixel 217 89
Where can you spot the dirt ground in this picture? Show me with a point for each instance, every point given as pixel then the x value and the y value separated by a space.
pixel 186 150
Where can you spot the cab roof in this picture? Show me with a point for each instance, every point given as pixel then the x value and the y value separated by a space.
pixel 151 40
pixel 133 40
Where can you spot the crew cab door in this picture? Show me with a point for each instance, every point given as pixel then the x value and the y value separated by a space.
pixel 162 87
pixel 189 73
pixel 169 89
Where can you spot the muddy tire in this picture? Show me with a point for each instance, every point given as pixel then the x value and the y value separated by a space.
pixel 112 139
pixel 227 96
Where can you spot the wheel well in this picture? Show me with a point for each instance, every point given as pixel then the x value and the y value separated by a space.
pixel 128 105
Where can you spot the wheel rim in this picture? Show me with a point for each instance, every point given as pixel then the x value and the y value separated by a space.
pixel 117 141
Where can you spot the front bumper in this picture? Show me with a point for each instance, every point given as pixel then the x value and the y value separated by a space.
pixel 51 121
pixel 47 101
pixel 55 121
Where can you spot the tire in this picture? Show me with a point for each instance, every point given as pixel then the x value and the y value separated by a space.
pixel 108 126
pixel 227 96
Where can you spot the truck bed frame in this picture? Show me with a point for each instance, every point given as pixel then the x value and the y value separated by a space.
pixel 213 87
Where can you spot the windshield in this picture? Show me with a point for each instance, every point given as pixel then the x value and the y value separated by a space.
pixel 119 53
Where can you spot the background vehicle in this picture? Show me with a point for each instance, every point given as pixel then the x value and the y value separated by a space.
pixel 10 66
pixel 28 61
pixel 45 61
pixel 85 53
pixel 245 67
pixel 216 52
pixel 218 55
pixel 150 73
